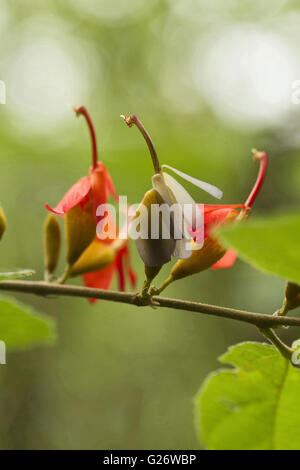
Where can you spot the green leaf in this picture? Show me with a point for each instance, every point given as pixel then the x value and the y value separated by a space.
pixel 16 274
pixel 22 328
pixel 270 244
pixel 253 406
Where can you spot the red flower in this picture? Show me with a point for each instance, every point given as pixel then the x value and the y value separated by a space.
pixel 79 205
pixel 96 187
pixel 216 215
pixel 105 257
pixel 103 278
pixel 213 254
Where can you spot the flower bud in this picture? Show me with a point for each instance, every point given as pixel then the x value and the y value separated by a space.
pixel 2 222
pixel 200 260
pixel 52 242
pixel 80 228
pixel 154 252
pixel 96 257
pixel 292 298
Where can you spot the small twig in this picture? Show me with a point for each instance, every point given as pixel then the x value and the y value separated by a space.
pixel 43 288
pixel 284 350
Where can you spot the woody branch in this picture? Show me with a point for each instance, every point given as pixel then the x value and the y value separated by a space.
pixel 259 320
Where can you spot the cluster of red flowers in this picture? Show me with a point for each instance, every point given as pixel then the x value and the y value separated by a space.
pixel 98 259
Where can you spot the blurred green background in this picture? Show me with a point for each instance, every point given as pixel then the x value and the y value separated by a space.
pixel 210 80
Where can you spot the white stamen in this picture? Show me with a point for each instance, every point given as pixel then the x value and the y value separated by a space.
pixel 191 211
pixel 209 188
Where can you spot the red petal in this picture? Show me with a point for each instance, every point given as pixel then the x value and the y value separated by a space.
pixel 102 186
pixel 132 277
pixel 214 214
pixel 214 207
pixel 124 268
pixel 226 261
pixel 74 196
pixel 110 228
pixel 100 279
pixel 106 181
pixel 110 188
pixel 98 188
pixel 214 218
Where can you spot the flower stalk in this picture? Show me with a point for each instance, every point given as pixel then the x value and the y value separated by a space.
pixel 133 119
pixel 261 157
pixel 82 111
pixel 66 274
